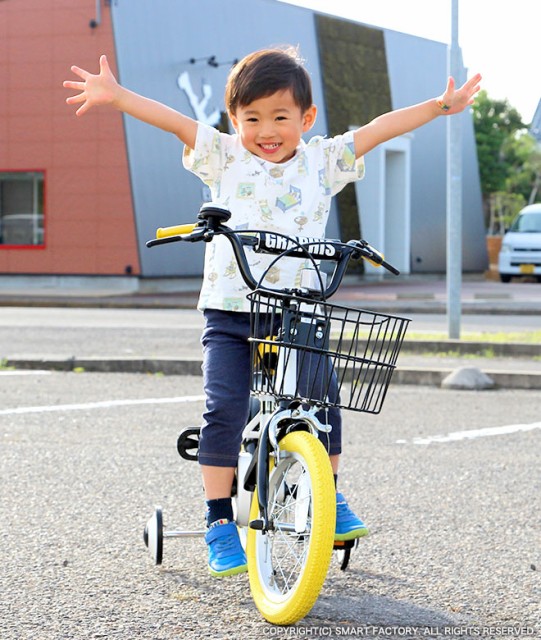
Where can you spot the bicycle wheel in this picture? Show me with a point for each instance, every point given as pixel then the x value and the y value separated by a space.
pixel 288 564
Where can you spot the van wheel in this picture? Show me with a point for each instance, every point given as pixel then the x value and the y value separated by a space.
pixel 505 277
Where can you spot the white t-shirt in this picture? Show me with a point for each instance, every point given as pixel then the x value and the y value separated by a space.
pixel 293 198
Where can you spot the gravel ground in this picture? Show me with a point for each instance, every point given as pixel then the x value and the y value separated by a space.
pixel 455 526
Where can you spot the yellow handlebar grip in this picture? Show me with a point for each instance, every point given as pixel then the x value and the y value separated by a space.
pixel 376 264
pixel 177 230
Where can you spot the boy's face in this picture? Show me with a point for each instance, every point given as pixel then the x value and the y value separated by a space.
pixel 271 127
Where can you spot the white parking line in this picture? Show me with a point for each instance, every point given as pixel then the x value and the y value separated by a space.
pixel 455 436
pixel 106 404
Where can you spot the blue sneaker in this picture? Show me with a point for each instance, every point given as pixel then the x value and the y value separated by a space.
pixel 226 555
pixel 348 525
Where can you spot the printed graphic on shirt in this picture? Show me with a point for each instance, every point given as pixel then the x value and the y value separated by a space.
pixel 273 275
pixel 324 182
pixel 319 212
pixel 231 270
pixel 246 190
pixel 298 275
pixel 229 160
pixel 289 200
pixel 266 211
pixel 216 143
pixel 347 161
pixel 198 163
pixel 300 221
pixel 233 304
pixel 276 173
pixel 302 165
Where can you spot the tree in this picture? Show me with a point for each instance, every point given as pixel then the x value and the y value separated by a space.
pixel 509 160
pixel 523 155
pixel 495 121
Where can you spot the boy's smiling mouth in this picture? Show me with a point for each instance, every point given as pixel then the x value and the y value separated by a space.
pixel 270 146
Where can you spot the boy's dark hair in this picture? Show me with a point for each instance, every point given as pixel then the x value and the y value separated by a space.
pixel 262 73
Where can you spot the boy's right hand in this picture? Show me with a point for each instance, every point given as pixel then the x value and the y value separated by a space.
pixel 95 90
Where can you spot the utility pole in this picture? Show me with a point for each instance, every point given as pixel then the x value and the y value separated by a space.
pixel 454 190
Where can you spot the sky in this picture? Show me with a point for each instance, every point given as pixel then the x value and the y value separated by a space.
pixel 499 39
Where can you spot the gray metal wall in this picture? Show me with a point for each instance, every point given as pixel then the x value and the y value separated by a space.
pixel 154 43
pixel 418 71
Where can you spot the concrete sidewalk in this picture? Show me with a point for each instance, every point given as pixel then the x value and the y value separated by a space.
pixel 416 293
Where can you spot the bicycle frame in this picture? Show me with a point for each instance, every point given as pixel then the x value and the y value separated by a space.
pixel 273 425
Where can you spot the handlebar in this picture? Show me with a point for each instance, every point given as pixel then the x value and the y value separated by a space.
pixel 211 222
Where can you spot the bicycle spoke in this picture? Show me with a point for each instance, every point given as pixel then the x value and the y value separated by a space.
pixel 288 548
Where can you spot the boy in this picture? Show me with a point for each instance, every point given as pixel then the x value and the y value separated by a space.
pixel 270 179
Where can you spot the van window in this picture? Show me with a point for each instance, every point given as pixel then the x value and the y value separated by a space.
pixel 527 223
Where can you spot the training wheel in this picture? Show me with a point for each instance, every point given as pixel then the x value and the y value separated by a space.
pixel 153 535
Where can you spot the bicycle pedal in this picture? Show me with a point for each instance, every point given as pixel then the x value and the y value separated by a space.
pixel 342 545
pixel 188 443
pixel 345 546
pixel 260 525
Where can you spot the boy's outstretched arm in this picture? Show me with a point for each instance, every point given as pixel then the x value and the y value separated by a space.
pixel 396 123
pixel 103 89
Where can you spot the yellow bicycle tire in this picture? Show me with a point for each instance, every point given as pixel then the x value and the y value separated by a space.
pixel 283 608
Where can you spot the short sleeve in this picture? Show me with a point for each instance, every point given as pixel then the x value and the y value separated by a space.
pixel 206 160
pixel 342 165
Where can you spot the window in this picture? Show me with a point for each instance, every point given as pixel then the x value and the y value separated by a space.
pixel 527 223
pixel 21 208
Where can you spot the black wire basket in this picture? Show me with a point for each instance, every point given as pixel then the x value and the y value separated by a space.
pixel 322 354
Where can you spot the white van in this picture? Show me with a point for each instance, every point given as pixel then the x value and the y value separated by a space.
pixel 520 254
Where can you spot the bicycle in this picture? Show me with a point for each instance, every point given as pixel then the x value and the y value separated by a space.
pixel 307 355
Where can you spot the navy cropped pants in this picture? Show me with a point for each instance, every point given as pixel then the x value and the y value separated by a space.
pixel 226 379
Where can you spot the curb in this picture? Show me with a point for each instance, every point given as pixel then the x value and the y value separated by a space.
pixel 166 366
pixel 192 367
pixel 465 347
pixel 432 377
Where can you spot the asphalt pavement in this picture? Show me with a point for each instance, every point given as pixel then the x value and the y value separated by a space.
pixel 446 479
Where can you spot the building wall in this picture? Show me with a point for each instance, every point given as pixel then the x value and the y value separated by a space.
pixel 89 224
pixel 347 60
pixel 357 90
pixel 418 71
pixel 111 180
pixel 154 48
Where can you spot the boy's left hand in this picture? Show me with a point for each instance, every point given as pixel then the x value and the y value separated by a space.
pixel 458 99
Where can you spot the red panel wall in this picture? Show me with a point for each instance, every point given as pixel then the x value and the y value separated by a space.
pixel 89 221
